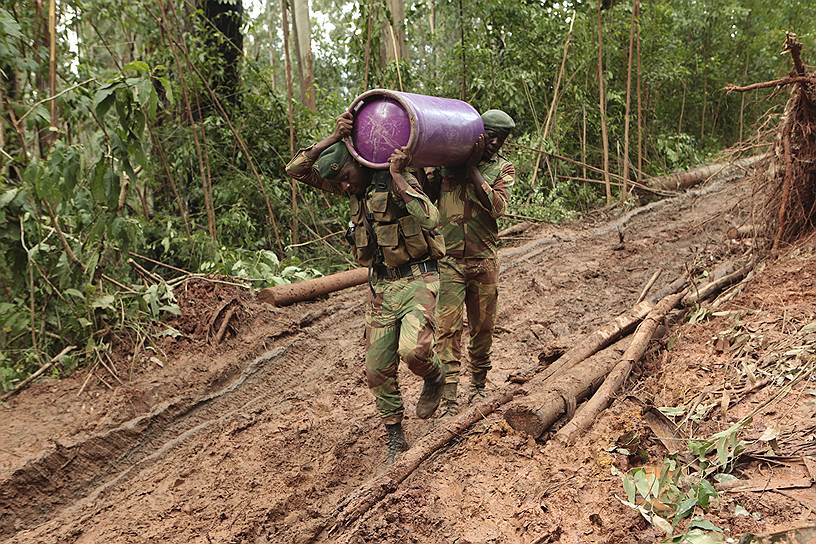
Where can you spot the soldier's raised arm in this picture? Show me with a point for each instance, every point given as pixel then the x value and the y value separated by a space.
pixel 305 166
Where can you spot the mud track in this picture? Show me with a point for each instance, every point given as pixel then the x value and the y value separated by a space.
pixel 266 453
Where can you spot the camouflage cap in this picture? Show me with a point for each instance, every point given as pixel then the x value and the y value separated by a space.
pixel 498 120
pixel 332 159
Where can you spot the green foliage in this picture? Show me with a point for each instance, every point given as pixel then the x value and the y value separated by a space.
pixel 667 496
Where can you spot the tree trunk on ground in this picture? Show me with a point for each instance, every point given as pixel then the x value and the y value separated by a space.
pixel 602 106
pixel 303 24
pixel 284 295
pixel 613 382
pixel 552 399
pixel 685 180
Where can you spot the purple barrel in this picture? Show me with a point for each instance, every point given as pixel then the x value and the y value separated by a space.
pixel 438 131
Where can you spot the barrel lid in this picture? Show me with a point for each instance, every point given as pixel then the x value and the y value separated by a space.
pixel 382 123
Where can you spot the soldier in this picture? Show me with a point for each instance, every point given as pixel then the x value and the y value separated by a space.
pixel 393 234
pixel 470 199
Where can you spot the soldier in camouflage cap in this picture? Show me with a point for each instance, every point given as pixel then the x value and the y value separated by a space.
pixel 471 199
pixel 394 235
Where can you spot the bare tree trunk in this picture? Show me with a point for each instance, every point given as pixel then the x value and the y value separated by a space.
pixel 602 104
pixel 703 114
pixel 296 48
pixel 625 189
pixel 52 65
pixel 367 67
pixel 273 48
pixel 548 122
pixel 303 23
pixel 463 91
pixel 639 110
pixel 290 115
pixel 397 23
pixel 584 141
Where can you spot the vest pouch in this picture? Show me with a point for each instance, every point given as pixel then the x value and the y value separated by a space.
pixel 378 205
pixel 394 254
pixel 364 249
pixel 436 243
pixel 415 243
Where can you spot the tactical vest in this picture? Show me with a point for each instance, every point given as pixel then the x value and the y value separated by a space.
pixel 385 233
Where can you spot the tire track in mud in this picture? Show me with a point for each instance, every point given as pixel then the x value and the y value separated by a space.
pixel 94 465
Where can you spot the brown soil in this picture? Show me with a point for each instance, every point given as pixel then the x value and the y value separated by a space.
pixel 259 439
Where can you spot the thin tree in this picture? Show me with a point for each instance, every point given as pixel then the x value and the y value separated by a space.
pixel 548 122
pixel 602 104
pixel 626 116
pixel 303 26
pixel 290 115
pixel 52 64
pixel 639 110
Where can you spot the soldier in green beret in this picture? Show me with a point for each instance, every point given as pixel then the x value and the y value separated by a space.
pixel 471 199
pixel 394 234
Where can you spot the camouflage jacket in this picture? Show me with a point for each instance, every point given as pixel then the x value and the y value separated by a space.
pixel 470 228
pixel 386 230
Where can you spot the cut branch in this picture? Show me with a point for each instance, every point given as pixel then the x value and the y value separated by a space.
pixel 613 382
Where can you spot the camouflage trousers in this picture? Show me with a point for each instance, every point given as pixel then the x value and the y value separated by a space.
pixel 399 324
pixel 470 283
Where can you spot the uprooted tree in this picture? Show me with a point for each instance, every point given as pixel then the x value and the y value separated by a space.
pixel 788 208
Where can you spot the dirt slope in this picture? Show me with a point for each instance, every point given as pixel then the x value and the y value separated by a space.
pixel 259 441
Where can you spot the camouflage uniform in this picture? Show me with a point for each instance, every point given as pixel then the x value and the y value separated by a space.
pixel 397 241
pixel 469 272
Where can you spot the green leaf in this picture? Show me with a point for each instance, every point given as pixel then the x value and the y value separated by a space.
pixel 685 508
pixel 701 523
pixel 103 100
pixel 137 65
pixel 7 196
pixel 705 492
pixel 629 488
pixel 672 411
pixel 75 293
pixel 104 302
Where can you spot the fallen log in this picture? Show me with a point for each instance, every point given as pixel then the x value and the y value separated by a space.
pixel 613 382
pixel 284 295
pixel 518 228
pixel 694 296
pixel 684 180
pixel 558 397
pixel 743 231
pixel 365 497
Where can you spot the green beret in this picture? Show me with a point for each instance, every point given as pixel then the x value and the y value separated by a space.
pixel 498 120
pixel 332 159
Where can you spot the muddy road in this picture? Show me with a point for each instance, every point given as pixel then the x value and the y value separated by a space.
pixel 259 441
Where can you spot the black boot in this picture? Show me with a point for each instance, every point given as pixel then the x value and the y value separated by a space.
pixel 396 442
pixel 431 395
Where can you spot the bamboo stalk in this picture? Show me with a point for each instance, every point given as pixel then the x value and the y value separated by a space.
pixel 545 131
pixel 290 116
pixel 627 115
pixel 602 107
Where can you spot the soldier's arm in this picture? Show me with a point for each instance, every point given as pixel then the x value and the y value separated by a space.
pixel 301 167
pixel 407 187
pixel 493 197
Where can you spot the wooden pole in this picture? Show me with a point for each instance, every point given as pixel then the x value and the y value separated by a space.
pixel 602 106
pixel 290 113
pixel 52 65
pixel 626 115
pixel 545 130
pixel 639 110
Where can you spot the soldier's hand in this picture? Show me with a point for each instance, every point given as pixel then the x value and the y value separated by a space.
pixel 399 160
pixel 476 151
pixel 342 125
